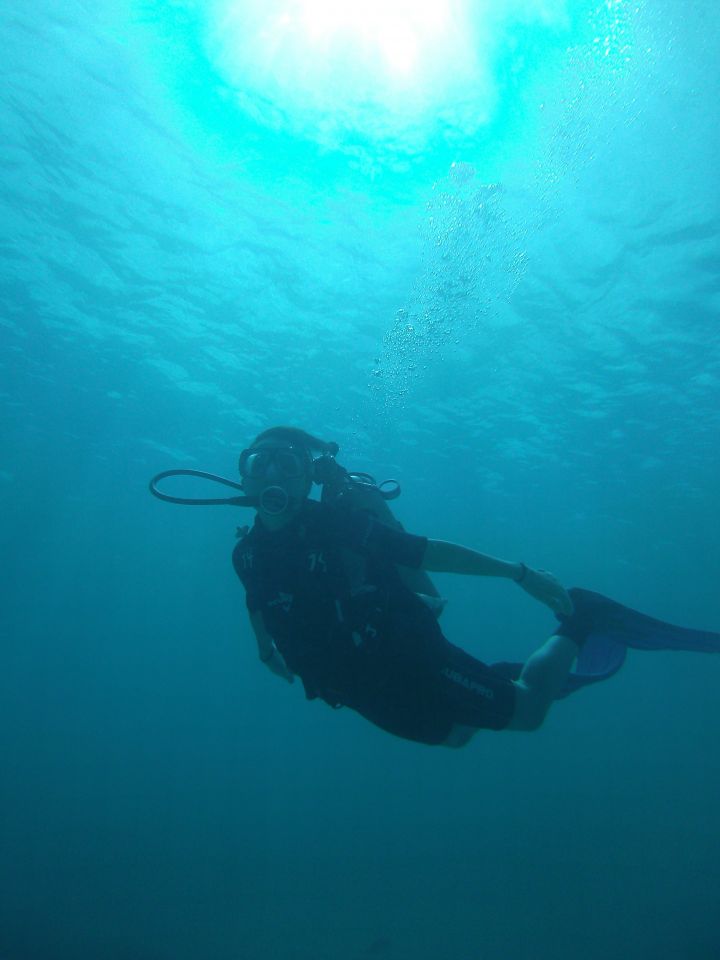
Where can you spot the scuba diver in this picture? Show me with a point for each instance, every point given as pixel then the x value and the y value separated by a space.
pixel 339 594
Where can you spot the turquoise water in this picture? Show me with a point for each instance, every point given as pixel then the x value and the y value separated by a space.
pixel 486 263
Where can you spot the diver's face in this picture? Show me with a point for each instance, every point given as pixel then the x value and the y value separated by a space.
pixel 279 476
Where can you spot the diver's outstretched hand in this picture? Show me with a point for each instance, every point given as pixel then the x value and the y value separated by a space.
pixel 546 588
pixel 277 665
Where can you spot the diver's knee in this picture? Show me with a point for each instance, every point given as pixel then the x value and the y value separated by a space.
pixel 526 723
pixel 530 711
pixel 459 736
pixel 535 721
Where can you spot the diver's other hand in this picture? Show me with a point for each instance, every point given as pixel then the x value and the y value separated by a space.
pixel 277 664
pixel 546 588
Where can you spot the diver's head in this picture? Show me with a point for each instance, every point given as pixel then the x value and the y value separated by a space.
pixel 278 470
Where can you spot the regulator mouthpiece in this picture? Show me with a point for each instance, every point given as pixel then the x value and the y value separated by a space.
pixel 274 501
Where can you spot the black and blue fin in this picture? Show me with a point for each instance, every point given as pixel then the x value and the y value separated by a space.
pixel 605 629
pixel 596 615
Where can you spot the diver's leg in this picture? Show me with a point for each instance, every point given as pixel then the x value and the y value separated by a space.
pixel 541 680
pixel 459 735
pixel 475 695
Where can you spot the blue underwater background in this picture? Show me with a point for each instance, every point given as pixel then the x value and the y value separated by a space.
pixel 500 285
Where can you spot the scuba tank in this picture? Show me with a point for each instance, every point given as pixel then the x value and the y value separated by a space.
pixel 361 492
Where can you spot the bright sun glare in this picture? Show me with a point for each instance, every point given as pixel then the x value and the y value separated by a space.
pixel 338 70
pixel 391 32
pixel 324 60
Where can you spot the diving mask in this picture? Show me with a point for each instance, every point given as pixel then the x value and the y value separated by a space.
pixel 287 462
pixel 279 473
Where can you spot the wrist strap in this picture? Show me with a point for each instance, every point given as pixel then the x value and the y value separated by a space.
pixel 523 572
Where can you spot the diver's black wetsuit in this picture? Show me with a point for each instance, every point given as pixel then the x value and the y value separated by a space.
pixel 338 611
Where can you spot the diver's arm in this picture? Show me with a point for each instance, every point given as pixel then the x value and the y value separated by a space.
pixel 267 651
pixel 443 557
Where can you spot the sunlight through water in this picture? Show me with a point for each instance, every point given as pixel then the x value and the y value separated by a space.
pixel 381 70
